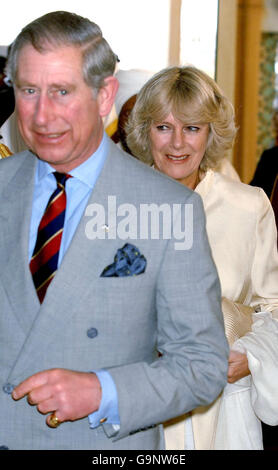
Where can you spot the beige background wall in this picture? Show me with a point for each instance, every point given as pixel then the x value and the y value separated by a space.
pixel 241 24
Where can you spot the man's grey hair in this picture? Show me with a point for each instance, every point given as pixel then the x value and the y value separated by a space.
pixel 62 28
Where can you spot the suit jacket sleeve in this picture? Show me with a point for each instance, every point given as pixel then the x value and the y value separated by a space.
pixel 192 370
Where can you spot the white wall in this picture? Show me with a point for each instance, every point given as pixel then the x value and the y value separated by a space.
pixel 137 31
pixel 270 19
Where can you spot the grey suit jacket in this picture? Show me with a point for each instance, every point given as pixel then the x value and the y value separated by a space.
pixel 173 307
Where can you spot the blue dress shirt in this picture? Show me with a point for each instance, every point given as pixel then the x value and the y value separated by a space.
pixel 78 191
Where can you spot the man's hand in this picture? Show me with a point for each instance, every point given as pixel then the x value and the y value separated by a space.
pixel 238 366
pixel 71 395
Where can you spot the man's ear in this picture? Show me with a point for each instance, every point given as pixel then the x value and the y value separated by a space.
pixel 106 95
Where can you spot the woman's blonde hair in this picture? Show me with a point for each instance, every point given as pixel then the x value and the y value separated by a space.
pixel 193 97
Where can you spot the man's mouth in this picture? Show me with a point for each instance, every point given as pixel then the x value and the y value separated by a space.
pixel 49 136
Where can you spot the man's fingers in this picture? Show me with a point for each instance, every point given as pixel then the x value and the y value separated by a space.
pixel 47 406
pixel 74 394
pixel 24 388
pixel 40 394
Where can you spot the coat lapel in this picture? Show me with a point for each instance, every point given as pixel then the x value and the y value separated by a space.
pixel 82 265
pixel 85 257
pixel 15 212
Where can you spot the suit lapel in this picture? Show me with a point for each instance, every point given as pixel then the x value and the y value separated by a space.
pixel 15 211
pixel 82 265
pixel 85 257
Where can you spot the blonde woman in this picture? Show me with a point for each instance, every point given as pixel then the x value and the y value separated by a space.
pixel 182 124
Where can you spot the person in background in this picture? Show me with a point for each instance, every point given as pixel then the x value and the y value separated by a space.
pixel 130 82
pixel 182 125
pixel 79 366
pixel 119 136
pixel 11 137
pixel 6 106
pixel 266 173
pixel 7 101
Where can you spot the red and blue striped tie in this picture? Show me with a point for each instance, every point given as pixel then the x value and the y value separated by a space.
pixel 44 262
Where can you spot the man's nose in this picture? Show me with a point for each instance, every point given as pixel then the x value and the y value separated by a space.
pixel 44 112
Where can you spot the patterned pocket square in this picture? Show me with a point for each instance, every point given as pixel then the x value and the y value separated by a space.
pixel 127 262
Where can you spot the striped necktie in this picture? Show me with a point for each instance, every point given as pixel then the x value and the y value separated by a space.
pixel 44 261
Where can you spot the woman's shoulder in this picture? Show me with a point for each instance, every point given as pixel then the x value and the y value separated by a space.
pixel 231 184
pixel 237 193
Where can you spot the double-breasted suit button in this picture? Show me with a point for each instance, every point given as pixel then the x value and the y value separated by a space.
pixel 8 388
pixel 92 332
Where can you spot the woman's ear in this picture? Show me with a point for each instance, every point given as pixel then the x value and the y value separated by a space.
pixel 106 95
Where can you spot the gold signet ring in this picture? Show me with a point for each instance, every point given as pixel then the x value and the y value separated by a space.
pixel 53 421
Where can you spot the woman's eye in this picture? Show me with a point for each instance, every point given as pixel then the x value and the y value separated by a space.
pixel 193 128
pixel 162 127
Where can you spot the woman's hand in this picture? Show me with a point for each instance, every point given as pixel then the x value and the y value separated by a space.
pixel 238 366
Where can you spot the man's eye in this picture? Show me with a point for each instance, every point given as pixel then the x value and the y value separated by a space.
pixel 63 92
pixel 29 91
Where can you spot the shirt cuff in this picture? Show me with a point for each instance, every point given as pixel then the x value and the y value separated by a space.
pixel 108 410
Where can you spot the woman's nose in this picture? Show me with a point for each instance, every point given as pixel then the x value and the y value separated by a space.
pixel 178 138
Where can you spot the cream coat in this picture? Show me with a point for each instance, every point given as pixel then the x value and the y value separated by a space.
pixel 242 233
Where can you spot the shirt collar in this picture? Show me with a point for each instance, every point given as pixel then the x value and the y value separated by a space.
pixel 87 172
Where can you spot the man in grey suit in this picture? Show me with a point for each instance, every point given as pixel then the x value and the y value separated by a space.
pixel 129 333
